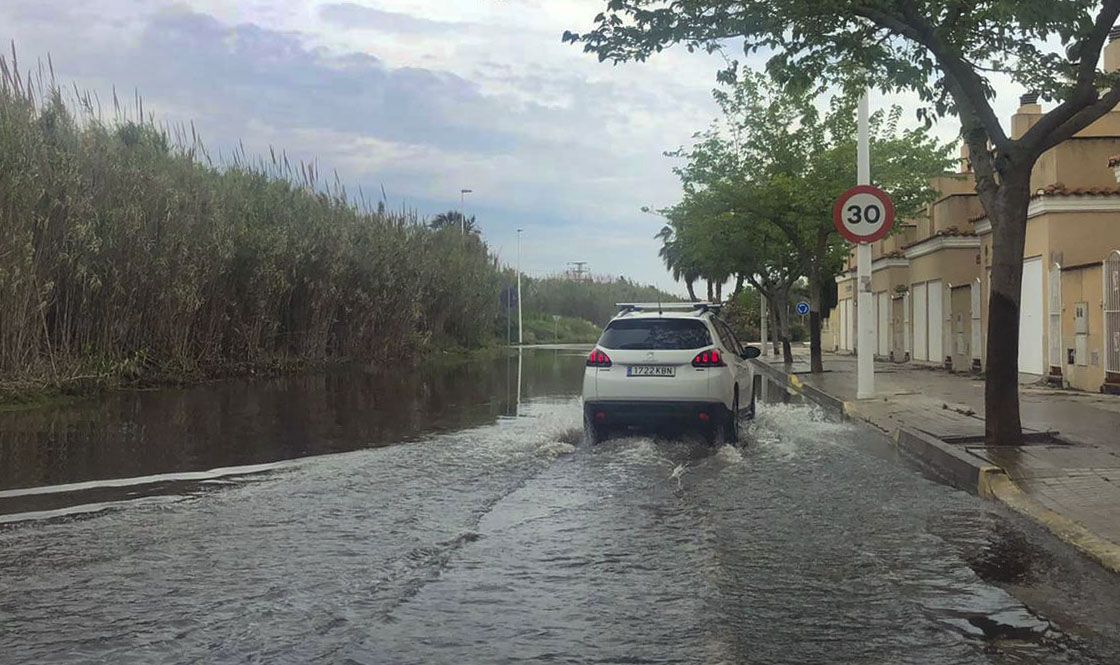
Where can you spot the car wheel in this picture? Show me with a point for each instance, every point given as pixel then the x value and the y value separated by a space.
pixel 731 427
pixel 593 432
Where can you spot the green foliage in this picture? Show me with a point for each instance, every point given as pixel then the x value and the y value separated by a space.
pixel 760 183
pixel 125 252
pixel 934 47
pixel 453 219
pixel 546 329
pixel 592 301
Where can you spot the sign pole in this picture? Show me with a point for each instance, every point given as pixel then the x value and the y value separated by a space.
pixel 865 320
pixel 762 323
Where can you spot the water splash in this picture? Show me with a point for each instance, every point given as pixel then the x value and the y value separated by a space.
pixel 729 454
pixel 556 449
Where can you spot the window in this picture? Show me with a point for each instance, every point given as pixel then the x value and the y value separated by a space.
pixel 655 334
pixel 727 336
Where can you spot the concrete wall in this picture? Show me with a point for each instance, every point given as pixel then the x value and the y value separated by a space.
pixel 1079 162
pixel 955 211
pixel 953 265
pixel 1080 237
pixel 1067 238
pixel 1083 285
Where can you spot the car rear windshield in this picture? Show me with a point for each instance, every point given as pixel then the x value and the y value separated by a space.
pixel 656 334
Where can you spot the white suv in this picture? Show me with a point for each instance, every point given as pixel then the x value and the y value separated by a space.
pixel 671 364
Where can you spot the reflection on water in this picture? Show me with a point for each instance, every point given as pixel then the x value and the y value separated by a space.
pixel 499 539
pixel 236 423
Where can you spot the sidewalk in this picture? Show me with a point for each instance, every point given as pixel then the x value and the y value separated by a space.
pixel 1072 486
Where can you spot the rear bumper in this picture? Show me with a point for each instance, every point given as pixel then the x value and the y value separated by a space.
pixel 620 412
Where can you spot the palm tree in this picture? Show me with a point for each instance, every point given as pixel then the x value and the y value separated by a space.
pixel 453 219
pixel 672 254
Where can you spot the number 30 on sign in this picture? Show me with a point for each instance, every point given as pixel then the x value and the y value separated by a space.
pixel 863 214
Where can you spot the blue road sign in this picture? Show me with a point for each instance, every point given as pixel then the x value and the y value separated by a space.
pixel 802 308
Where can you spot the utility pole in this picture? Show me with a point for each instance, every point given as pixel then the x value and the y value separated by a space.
pixel 579 270
pixel 865 323
pixel 520 329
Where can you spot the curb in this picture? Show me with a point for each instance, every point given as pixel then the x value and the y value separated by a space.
pixel 958 468
pixel 1104 552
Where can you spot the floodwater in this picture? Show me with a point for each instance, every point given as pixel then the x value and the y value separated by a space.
pixel 438 518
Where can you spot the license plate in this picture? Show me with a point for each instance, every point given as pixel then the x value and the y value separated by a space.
pixel 651 370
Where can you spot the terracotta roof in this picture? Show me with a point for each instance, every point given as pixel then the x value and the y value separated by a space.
pixel 952 231
pixel 1058 189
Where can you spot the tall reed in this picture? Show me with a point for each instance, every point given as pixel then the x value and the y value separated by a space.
pixel 126 250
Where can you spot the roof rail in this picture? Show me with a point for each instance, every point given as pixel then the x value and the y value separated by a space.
pixel 699 307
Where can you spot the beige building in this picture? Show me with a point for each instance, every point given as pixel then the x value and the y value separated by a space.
pixel 930 279
pixel 944 278
pixel 1071 235
pixel 1073 228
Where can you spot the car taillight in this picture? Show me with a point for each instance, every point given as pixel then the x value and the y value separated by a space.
pixel 708 359
pixel 598 359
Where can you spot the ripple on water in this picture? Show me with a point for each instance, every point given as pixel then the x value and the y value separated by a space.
pixel 506 543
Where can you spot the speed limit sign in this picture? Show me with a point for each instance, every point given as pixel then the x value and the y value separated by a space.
pixel 863 214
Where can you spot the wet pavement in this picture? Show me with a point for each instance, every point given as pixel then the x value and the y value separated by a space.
pixel 495 535
pixel 1078 479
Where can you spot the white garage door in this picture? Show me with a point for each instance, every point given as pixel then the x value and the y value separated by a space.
pixel 884 324
pixel 1031 319
pixel 920 328
pixel 936 321
pixel 976 341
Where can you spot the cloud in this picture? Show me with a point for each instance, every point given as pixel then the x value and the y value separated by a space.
pixel 423 103
pixel 350 16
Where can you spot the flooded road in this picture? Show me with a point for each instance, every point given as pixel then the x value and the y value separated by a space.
pixel 493 535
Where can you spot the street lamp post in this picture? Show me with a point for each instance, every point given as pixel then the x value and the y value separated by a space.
pixel 462 209
pixel 520 330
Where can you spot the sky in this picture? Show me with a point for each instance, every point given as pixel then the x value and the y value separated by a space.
pixel 421 97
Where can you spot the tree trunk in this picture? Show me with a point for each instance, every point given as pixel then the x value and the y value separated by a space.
pixel 710 291
pixel 691 290
pixel 738 288
pixel 1003 425
pixel 772 315
pixel 781 304
pixel 816 362
pixel 719 292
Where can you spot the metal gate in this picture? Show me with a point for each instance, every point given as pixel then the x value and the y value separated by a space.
pixel 1054 311
pixel 1112 312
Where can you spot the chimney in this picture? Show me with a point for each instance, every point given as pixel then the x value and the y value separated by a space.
pixel 1029 113
pixel 965 160
pixel 1112 51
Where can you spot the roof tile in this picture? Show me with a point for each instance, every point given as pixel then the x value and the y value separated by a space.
pixel 952 231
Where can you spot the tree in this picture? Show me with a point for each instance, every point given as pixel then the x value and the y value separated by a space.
pixel 775 160
pixel 672 252
pixel 453 219
pixel 944 50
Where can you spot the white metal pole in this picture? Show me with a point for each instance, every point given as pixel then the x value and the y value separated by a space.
pixel 865 319
pixel 520 329
pixel 762 320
